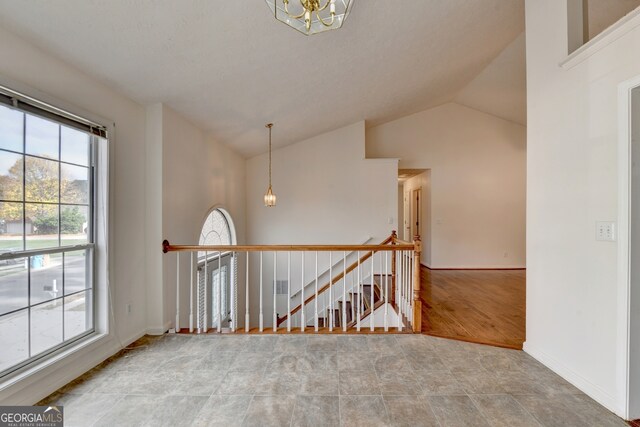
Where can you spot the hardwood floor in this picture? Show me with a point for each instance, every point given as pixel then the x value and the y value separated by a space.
pixel 483 306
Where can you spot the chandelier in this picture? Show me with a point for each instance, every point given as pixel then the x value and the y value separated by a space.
pixel 269 197
pixel 311 16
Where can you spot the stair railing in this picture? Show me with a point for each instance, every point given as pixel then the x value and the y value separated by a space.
pixel 395 262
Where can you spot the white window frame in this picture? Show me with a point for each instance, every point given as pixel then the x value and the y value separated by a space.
pixel 101 250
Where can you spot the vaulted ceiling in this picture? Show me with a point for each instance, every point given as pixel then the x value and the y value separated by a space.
pixel 229 67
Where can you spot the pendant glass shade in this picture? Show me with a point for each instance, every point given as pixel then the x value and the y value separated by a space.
pixel 269 198
pixel 311 16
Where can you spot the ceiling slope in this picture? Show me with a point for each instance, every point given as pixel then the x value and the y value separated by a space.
pixel 229 67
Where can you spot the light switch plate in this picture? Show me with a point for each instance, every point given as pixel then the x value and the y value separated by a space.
pixel 606 231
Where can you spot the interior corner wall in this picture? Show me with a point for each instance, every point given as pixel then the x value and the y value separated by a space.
pixel 327 193
pixel 198 174
pixel 478 182
pixel 576 308
pixel 153 220
pixel 49 78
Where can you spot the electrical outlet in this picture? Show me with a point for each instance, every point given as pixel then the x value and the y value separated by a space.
pixel 606 231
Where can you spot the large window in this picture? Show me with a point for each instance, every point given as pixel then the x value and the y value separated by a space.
pixel 46 234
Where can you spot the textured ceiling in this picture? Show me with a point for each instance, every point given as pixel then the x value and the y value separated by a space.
pixel 501 88
pixel 229 67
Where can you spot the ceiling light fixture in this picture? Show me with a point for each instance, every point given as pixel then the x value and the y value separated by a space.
pixel 312 17
pixel 269 197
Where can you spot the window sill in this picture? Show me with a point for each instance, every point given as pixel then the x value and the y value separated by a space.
pixel 91 341
pixel 602 40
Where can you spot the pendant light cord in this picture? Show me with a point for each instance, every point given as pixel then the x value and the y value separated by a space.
pixel 270 125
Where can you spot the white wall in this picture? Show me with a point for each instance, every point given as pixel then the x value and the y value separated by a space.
pixel 195 174
pixel 51 78
pixel 478 181
pixel 574 305
pixel 423 182
pixel 156 323
pixel 327 193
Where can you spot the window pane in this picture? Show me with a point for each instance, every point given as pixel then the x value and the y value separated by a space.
pixel 11 127
pixel 75 271
pixel 78 314
pixel 75 146
pixel 14 287
pixel 41 180
pixel 11 227
pixel 14 338
pixel 74 186
pixel 46 277
pixel 46 326
pixel 42 137
pixel 10 176
pixel 41 225
pixel 74 224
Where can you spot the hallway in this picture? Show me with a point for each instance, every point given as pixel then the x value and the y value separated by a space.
pixel 482 306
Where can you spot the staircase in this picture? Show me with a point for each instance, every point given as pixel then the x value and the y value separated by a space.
pixel 351 305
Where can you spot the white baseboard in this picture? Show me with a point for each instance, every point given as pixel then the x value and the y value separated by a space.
pixel 587 387
pixel 38 383
pixel 475 267
pixel 159 330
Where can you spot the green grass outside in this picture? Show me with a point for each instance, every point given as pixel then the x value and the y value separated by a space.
pixel 38 244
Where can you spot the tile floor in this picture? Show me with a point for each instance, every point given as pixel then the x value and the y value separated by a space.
pixel 296 380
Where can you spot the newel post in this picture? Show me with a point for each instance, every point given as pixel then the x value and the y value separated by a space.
pixel 394 236
pixel 417 302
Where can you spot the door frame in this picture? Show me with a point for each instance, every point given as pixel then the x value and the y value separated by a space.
pixel 624 241
pixel 416 212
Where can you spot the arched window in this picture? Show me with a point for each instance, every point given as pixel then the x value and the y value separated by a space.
pixel 216 271
pixel 216 229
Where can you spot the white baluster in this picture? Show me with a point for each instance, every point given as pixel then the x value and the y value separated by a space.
pixel 406 288
pixel 303 319
pixel 372 326
pixel 316 324
pixel 359 294
pixel 198 324
pixel 331 312
pixel 177 292
pixel 261 326
pixel 386 289
pixel 191 285
pixel 289 292
pixel 399 288
pixel 234 292
pixel 275 281
pixel 246 295
pixel 219 292
pixel 344 291
pixel 410 293
pixel 352 290
pixel 406 284
pixel 206 285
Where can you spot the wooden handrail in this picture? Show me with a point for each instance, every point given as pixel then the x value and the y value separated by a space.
pixel 384 244
pixel 167 247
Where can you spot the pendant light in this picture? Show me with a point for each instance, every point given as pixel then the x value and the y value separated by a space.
pixel 269 197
